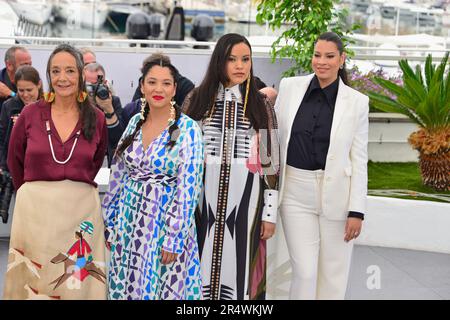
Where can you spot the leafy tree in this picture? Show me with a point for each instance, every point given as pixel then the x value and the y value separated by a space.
pixel 306 19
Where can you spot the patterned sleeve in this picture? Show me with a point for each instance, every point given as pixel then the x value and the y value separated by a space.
pixel 117 179
pixel 180 214
pixel 270 160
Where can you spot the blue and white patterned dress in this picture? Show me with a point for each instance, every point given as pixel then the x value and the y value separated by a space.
pixel 150 206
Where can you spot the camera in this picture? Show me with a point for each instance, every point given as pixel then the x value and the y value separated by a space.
pixel 6 192
pixel 99 89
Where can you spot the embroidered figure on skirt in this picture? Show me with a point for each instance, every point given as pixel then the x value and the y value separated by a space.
pixel 81 267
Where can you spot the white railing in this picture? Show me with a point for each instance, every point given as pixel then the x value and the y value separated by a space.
pixel 134 45
pixel 109 41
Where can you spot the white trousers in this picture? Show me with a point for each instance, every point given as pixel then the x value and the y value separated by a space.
pixel 320 257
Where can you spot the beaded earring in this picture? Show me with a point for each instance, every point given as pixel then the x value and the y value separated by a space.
pixel 82 96
pixel 172 112
pixel 49 96
pixel 143 103
pixel 247 90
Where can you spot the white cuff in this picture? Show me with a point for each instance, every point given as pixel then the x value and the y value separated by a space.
pixel 270 206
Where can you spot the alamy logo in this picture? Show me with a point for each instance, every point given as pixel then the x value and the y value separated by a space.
pixel 374 280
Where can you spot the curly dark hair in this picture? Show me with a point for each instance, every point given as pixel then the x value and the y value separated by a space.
pixel 174 127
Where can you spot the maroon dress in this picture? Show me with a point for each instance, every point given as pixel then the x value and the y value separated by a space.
pixel 56 205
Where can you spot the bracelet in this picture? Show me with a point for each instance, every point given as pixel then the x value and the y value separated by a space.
pixel 113 125
pixel 109 115
pixel 12 94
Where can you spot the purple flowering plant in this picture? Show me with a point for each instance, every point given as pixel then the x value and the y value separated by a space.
pixel 365 83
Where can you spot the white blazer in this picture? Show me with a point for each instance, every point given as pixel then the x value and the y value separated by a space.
pixel 345 178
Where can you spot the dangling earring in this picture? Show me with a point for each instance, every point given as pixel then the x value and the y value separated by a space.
pixel 172 111
pixel 143 103
pixel 82 96
pixel 49 96
pixel 341 67
pixel 247 89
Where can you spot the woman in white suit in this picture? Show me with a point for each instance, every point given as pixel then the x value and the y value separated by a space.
pixel 323 127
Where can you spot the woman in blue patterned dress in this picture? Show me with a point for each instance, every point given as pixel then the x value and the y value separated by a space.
pixel 153 191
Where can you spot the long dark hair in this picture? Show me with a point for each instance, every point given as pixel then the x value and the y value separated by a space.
pixel 334 37
pixel 87 112
pixel 204 96
pixel 28 73
pixel 173 129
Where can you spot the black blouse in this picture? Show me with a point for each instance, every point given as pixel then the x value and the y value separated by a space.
pixel 311 130
pixel 310 135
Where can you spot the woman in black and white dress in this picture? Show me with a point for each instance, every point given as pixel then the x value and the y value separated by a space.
pixel 237 211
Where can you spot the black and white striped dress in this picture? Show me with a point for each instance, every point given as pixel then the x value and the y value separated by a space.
pixel 232 202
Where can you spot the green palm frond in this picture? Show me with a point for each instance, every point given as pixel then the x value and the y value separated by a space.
pixel 429 70
pixel 414 88
pixel 407 70
pixel 447 88
pixel 390 86
pixel 446 99
pixel 419 74
pixel 387 104
pixel 425 99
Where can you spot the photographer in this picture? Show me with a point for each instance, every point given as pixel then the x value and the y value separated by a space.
pixel 88 56
pixel 29 90
pixel 102 97
pixel 15 57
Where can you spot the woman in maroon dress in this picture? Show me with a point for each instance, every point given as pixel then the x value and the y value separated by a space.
pixel 57 147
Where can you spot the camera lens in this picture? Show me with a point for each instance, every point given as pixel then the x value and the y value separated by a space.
pixel 5 195
pixel 102 92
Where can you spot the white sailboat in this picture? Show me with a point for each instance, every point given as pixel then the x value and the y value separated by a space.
pixel 38 12
pixel 213 8
pixel 399 46
pixel 243 12
pixel 360 6
pixel 8 21
pixel 446 17
pixel 87 13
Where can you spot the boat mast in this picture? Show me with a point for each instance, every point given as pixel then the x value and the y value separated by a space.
pixel 93 19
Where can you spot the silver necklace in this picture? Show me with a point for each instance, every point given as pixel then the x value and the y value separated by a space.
pixel 49 133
